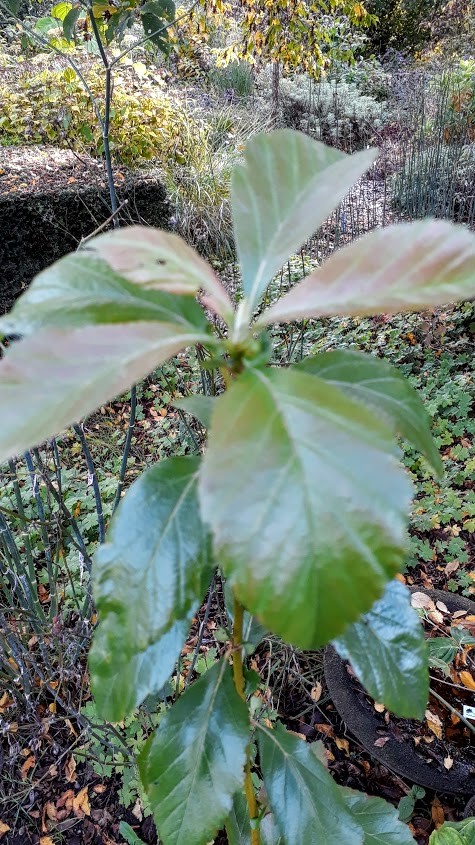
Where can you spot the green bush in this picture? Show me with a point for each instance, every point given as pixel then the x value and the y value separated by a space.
pixel 52 107
pixel 440 181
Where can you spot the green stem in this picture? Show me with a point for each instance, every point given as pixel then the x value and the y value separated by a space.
pixel 238 674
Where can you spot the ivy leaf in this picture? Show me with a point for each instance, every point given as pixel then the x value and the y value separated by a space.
pixel 381 387
pixel 158 260
pixel 152 572
pixel 305 500
pixel 407 267
pixel 198 406
pixel 194 764
pixel 53 378
pixel 70 21
pixel 379 820
pixel 285 190
pixel 306 802
pixel 388 652
pixel 156 15
pixel 55 298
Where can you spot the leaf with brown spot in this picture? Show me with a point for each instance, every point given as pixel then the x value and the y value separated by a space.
pixel 316 692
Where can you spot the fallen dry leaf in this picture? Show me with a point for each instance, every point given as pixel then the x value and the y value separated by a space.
pixel 27 765
pixel 457 614
pixel 70 770
pixel 451 567
pixel 99 788
pixel 4 828
pixel 448 762
pixel 343 745
pixel 434 723
pixel 436 616
pixel 316 692
pixel 325 729
pixel 81 806
pixel 381 741
pixel 422 601
pixel 467 680
pixel 380 708
pixel 441 606
pixel 437 813
pixel 46 840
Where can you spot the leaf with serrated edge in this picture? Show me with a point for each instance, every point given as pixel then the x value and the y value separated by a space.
pixel 238 827
pixel 285 190
pixel 152 572
pixel 388 653
pixel 306 500
pixel 304 798
pixel 381 387
pixel 55 298
pixel 161 260
pixel 194 764
pixel 406 267
pixel 51 379
pixel 379 820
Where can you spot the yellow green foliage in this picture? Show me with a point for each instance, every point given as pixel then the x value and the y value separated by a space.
pixel 52 107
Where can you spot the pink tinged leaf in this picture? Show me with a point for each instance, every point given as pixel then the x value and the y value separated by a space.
pixel 50 380
pixel 158 260
pixel 407 267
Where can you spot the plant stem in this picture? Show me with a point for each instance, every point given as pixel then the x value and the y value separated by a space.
pixel 238 674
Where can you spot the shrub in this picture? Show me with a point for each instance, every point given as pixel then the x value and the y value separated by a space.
pixel 439 181
pixel 52 107
pixel 334 112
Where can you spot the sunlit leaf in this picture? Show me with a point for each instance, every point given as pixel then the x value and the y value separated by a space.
pixel 152 572
pixel 387 651
pixel 158 260
pixel 407 267
pixel 56 298
pixel 50 380
pixel 379 820
pixel 306 501
pixel 286 188
pixel 304 798
pixel 381 387
pixel 194 763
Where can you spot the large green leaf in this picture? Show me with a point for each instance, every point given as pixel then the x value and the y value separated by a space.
pixel 454 833
pixel 286 188
pixel 152 572
pixel 120 687
pixel 407 267
pixel 81 289
pixel 381 387
pixel 194 764
pixel 388 652
pixel 306 802
pixel 158 260
pixel 306 502
pixel 70 20
pixel 379 820
pixel 50 380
